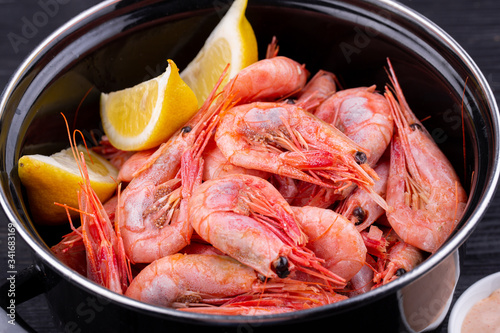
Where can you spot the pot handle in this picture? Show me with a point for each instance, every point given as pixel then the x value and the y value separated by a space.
pixel 20 287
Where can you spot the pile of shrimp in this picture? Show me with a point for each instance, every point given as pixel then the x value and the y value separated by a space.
pixel 282 193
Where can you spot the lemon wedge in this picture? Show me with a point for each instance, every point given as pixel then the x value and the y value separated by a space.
pixel 56 178
pixel 146 115
pixel 232 41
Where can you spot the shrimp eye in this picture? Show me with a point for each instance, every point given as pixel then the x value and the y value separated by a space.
pixel 360 157
pixel 280 266
pixel 186 129
pixel 416 126
pixel 290 101
pixel 360 214
pixel 400 272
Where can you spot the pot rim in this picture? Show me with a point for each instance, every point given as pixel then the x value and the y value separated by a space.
pixel 447 249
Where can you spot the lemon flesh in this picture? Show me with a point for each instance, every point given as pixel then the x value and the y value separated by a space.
pixel 56 179
pixel 146 115
pixel 232 42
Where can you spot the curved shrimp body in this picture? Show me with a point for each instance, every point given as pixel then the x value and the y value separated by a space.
pixel 185 279
pixel 423 188
pixel 246 218
pixel 364 116
pixel 218 284
pixel 318 89
pixel 288 141
pixel 359 207
pixel 267 80
pixel 333 238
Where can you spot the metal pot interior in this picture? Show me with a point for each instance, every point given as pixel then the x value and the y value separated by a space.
pixel 119 44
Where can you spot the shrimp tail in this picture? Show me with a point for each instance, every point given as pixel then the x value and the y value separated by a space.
pixel 272 48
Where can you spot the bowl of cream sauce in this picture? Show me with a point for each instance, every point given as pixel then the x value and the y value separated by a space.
pixel 478 308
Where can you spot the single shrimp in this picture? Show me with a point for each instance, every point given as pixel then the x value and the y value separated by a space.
pixel 107 263
pixel 317 90
pixel 423 189
pixel 288 141
pixel 246 218
pixel 359 207
pixel 333 238
pixel 212 283
pixel 191 278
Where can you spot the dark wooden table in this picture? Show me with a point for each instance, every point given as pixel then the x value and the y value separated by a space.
pixel 475 24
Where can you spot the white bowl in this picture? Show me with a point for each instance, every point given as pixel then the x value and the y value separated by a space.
pixel 478 291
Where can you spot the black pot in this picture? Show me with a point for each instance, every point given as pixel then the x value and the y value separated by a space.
pixel 120 43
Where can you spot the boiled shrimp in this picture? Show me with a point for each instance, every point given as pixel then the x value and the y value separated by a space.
pixel 288 141
pixel 246 218
pixel 333 238
pixel 145 239
pixel 212 284
pixel 423 189
pixel 188 279
pixel 107 263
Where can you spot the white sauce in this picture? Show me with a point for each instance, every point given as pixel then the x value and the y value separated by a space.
pixel 484 316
